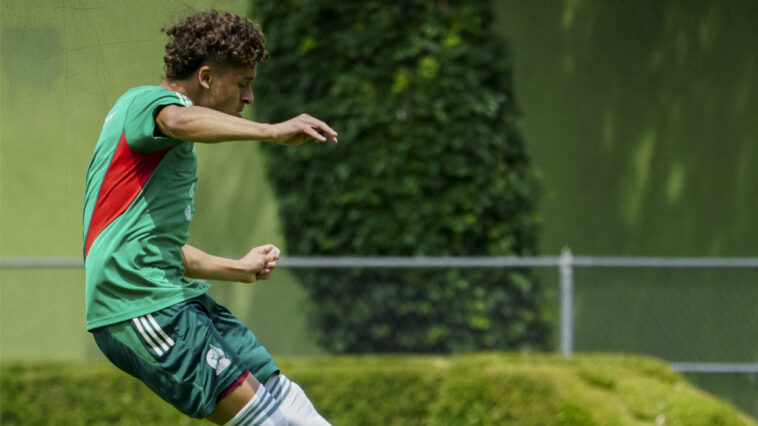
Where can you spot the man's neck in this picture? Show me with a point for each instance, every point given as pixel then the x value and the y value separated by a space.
pixel 180 86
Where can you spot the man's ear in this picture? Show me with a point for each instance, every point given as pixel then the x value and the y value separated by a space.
pixel 204 77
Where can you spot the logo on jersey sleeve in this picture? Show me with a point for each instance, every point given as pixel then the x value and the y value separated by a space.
pixel 184 100
pixel 216 358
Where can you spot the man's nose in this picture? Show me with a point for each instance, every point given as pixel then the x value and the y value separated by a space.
pixel 247 95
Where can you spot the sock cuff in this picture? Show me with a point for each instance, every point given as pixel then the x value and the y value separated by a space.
pixel 279 386
pixel 260 407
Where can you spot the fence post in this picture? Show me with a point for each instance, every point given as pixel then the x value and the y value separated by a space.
pixel 567 301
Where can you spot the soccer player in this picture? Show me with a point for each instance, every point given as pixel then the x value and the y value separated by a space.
pixel 147 307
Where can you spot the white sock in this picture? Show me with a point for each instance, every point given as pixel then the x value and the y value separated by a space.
pixel 293 403
pixel 262 409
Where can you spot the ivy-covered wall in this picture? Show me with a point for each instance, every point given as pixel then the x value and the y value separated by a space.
pixel 430 162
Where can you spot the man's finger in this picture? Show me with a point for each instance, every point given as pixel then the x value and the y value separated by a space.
pixel 329 131
pixel 326 130
pixel 314 134
pixel 320 126
pixel 332 136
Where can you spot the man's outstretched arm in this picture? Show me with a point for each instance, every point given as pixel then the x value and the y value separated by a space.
pixel 200 124
pixel 257 264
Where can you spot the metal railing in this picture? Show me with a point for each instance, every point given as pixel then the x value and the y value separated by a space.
pixel 565 263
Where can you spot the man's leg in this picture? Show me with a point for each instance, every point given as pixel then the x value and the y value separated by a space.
pixel 248 404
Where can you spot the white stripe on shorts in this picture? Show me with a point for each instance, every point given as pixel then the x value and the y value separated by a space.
pixel 147 338
pixel 158 328
pixel 149 329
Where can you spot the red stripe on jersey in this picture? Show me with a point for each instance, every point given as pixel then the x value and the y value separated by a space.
pixel 126 176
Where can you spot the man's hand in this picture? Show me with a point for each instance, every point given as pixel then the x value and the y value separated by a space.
pixel 259 262
pixel 298 130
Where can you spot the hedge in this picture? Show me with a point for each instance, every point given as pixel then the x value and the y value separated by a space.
pixel 430 163
pixel 475 389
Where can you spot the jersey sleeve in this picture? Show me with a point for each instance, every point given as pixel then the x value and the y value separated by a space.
pixel 142 135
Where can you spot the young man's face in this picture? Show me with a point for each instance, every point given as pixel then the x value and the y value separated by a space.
pixel 229 89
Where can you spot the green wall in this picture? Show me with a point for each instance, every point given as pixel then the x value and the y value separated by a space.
pixel 641 116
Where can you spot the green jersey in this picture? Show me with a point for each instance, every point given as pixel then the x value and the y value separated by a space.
pixel 138 205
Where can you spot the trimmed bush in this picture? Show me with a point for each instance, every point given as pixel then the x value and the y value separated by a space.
pixel 430 164
pixel 480 389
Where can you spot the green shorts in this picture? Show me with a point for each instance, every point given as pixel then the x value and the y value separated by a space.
pixel 191 354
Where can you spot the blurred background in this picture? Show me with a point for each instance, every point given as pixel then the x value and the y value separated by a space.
pixel 638 119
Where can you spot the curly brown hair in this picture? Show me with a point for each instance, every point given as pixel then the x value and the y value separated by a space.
pixel 211 36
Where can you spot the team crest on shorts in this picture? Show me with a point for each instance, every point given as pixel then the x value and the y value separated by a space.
pixel 217 359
